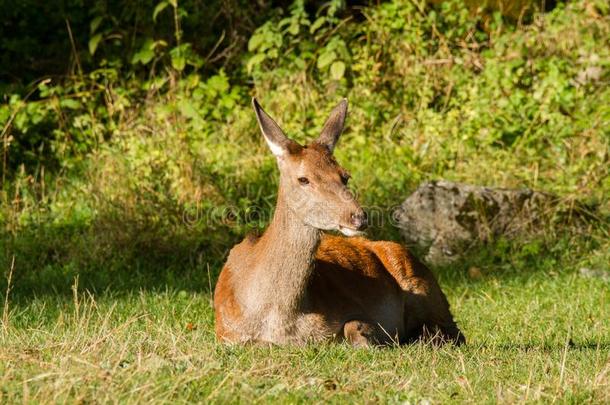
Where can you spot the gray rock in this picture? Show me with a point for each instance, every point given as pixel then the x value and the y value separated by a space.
pixel 594 273
pixel 443 220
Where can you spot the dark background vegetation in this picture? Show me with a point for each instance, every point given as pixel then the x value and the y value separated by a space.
pixel 126 126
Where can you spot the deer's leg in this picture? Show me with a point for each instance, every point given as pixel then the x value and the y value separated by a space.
pixel 361 334
pixel 428 318
pixel 438 335
pixel 440 321
pixel 450 332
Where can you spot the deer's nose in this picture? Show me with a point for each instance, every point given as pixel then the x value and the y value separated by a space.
pixel 359 220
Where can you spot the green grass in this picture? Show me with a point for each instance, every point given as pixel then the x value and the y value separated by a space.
pixel 532 336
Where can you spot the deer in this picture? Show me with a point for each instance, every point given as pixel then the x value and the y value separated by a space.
pixel 298 283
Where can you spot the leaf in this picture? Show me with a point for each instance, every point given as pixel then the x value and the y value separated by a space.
pixel 254 61
pixel 95 23
pixel 43 89
pixel 155 83
pixel 183 54
pixel 326 59
pixel 178 57
pixel 70 103
pixel 178 62
pixel 160 7
pixel 219 83
pixel 284 22
pixel 195 60
pixel 192 81
pixel 144 56
pixel 337 70
pixel 158 44
pixel 255 42
pixel 293 29
pixel 317 24
pixel 94 42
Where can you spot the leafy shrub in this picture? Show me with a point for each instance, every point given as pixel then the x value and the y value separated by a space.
pixel 152 155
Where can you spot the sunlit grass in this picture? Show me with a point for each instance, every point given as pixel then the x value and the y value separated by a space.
pixel 531 337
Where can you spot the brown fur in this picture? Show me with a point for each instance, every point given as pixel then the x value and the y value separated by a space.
pixel 296 284
pixel 351 278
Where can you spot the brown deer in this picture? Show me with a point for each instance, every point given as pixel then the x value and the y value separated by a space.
pixel 296 284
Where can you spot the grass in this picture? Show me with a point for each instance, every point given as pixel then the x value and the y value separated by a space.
pixel 533 336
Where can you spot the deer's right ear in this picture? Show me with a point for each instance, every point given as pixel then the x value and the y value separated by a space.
pixel 279 143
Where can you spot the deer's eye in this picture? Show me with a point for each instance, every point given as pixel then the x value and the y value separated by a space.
pixel 303 181
pixel 345 178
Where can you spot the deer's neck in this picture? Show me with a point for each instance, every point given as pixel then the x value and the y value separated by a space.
pixel 288 254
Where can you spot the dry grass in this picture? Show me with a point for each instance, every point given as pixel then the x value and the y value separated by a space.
pixel 532 338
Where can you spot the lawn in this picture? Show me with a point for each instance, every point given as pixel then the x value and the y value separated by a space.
pixel 533 336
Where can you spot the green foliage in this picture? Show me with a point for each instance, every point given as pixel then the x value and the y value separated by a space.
pixel 149 143
pixel 300 42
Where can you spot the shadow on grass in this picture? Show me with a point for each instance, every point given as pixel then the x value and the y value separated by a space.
pixel 119 253
pixel 129 257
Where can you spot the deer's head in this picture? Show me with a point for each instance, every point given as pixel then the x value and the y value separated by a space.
pixel 312 183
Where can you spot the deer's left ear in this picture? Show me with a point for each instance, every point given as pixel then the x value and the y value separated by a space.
pixel 333 126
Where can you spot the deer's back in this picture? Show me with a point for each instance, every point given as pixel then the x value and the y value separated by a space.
pixel 356 278
pixel 373 260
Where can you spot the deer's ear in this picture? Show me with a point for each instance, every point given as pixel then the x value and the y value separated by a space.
pixel 279 143
pixel 333 126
